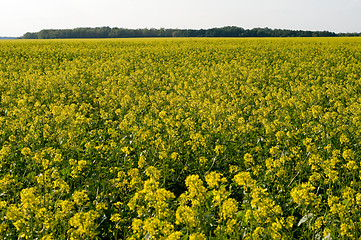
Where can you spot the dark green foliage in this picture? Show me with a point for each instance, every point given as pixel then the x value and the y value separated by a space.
pixel 230 31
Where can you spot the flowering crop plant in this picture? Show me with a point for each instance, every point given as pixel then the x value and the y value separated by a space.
pixel 180 139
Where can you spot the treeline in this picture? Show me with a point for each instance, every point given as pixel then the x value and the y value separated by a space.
pixel 7 38
pixel 107 32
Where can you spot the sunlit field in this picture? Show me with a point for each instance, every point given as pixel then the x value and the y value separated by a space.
pixel 180 139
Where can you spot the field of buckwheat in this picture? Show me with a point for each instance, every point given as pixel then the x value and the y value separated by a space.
pixel 180 139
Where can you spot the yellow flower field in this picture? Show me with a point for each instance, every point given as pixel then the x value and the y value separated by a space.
pixel 180 139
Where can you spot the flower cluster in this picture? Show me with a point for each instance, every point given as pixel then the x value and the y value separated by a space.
pixel 180 139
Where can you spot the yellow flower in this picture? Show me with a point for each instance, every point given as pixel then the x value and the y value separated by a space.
pixel 229 208
pixel 126 150
pixel 318 223
pixel 26 151
pixel 162 114
pixel 62 185
pixel 303 194
pixel 248 159
pixel 174 156
pixel 47 237
pixel 244 179
pixel 135 177
pixel 80 197
pixel 115 218
pixel 153 172
pixel 195 186
pixel 152 226
pixel 258 233
pixel 274 150
pixel 197 236
pixel 202 161
pixel 101 206
pixel 344 139
pixel 187 216
pixel 290 221
pixel 219 149
pixel 233 169
pixel 348 154
pixel 280 135
pixel 351 165
pixel 213 179
pixel 137 225
pixel 174 236
pixel 83 225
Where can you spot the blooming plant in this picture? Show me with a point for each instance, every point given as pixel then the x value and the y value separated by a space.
pixel 180 139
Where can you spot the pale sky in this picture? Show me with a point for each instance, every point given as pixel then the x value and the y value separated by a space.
pixel 20 16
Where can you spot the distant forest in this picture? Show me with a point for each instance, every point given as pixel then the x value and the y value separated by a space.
pixel 107 32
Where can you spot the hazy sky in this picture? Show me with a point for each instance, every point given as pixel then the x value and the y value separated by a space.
pixel 20 16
